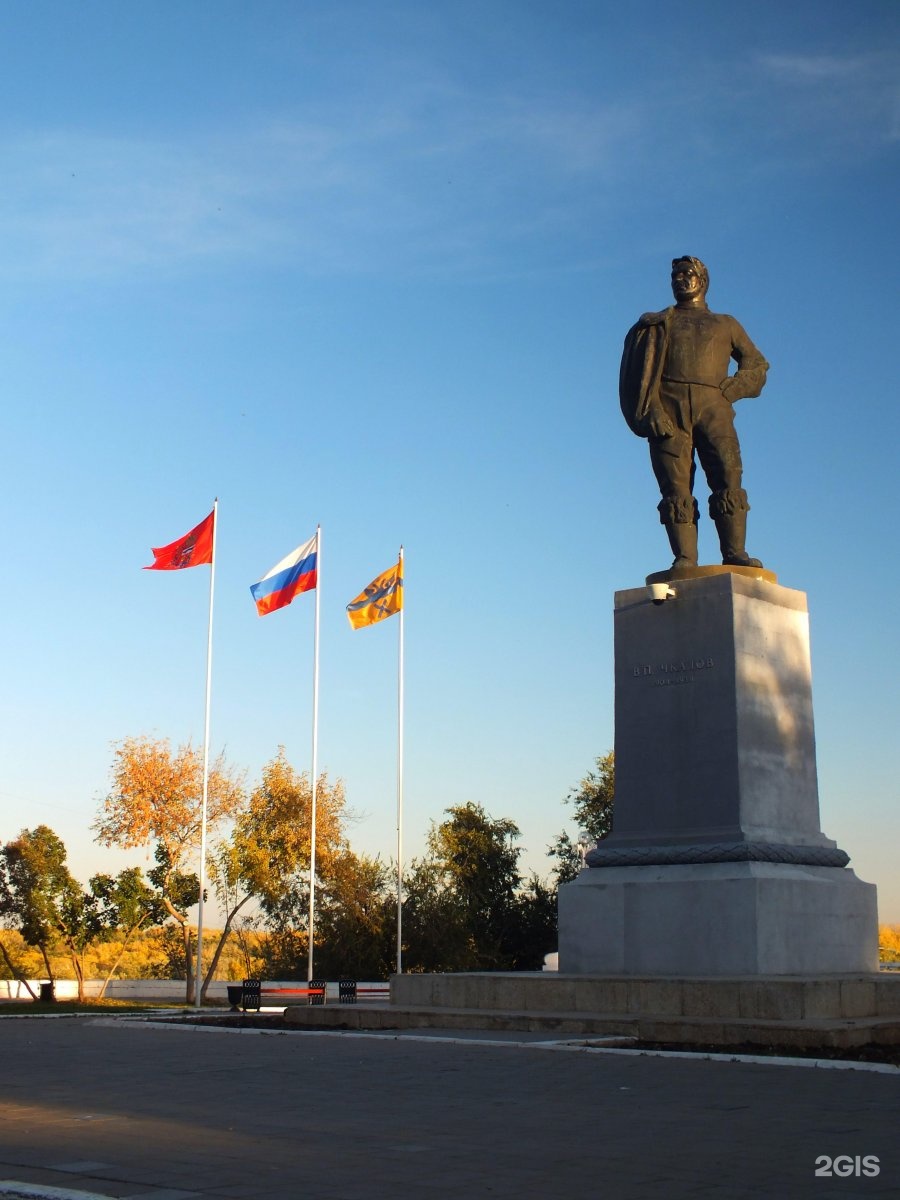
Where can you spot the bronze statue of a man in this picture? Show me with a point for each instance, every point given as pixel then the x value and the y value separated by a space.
pixel 676 391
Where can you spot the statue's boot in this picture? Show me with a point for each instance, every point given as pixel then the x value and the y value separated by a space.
pixel 683 540
pixel 732 529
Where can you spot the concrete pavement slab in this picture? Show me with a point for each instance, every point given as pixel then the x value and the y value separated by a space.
pixel 279 1116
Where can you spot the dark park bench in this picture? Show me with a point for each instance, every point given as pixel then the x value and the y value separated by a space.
pixel 248 996
pixel 350 992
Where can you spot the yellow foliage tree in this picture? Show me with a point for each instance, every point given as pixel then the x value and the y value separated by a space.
pixel 271 842
pixel 157 796
pixel 156 799
pixel 266 858
pixel 889 943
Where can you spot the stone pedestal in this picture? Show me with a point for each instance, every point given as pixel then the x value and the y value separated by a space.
pixel 717 863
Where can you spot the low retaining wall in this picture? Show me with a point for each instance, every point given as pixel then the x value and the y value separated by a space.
pixel 164 990
pixel 840 1012
pixel 779 999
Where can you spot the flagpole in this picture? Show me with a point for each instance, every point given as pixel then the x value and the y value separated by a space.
pixel 315 764
pixel 205 805
pixel 400 776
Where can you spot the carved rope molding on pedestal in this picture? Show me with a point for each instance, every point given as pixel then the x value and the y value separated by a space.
pixel 646 856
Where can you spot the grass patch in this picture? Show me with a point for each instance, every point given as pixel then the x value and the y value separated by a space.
pixel 69 1008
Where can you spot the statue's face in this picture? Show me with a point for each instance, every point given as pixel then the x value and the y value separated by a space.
pixel 686 283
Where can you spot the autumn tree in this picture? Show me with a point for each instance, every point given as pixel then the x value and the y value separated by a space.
pixel 889 943
pixel 265 859
pixel 272 839
pixel 225 875
pixel 592 802
pixel 246 952
pixel 156 800
pixel 15 953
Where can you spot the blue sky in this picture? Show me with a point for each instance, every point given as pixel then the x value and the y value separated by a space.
pixel 370 266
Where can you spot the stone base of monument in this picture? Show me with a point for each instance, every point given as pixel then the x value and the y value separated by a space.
pixel 831 1012
pixel 718 919
pixel 717 864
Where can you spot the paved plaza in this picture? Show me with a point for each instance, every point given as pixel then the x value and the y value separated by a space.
pixel 125 1109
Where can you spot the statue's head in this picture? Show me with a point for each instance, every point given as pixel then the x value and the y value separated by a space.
pixel 690 278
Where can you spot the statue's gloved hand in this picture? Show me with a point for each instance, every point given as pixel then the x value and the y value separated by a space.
pixel 659 425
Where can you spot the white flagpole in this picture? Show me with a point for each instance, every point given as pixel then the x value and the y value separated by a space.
pixel 315 763
pixel 400 775
pixel 198 978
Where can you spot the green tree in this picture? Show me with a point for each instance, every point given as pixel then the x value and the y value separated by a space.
pixel 461 909
pixel 41 897
pixel 533 934
pixel 129 905
pixel 592 802
pixel 435 935
pixel 357 918
pixel 284 954
pixel 178 892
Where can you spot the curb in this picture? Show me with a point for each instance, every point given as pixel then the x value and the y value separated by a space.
pixel 589 1047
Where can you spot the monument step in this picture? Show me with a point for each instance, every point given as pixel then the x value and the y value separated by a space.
pixel 763 998
pixel 832 1033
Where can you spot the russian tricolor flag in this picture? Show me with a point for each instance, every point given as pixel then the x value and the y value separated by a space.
pixel 294 574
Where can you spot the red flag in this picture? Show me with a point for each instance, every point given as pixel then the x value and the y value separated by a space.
pixel 191 550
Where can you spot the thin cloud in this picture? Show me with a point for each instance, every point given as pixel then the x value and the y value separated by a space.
pixel 854 97
pixel 434 173
pixel 79 203
pixel 812 68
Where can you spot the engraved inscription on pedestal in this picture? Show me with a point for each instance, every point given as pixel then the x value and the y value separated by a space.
pixel 715 749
